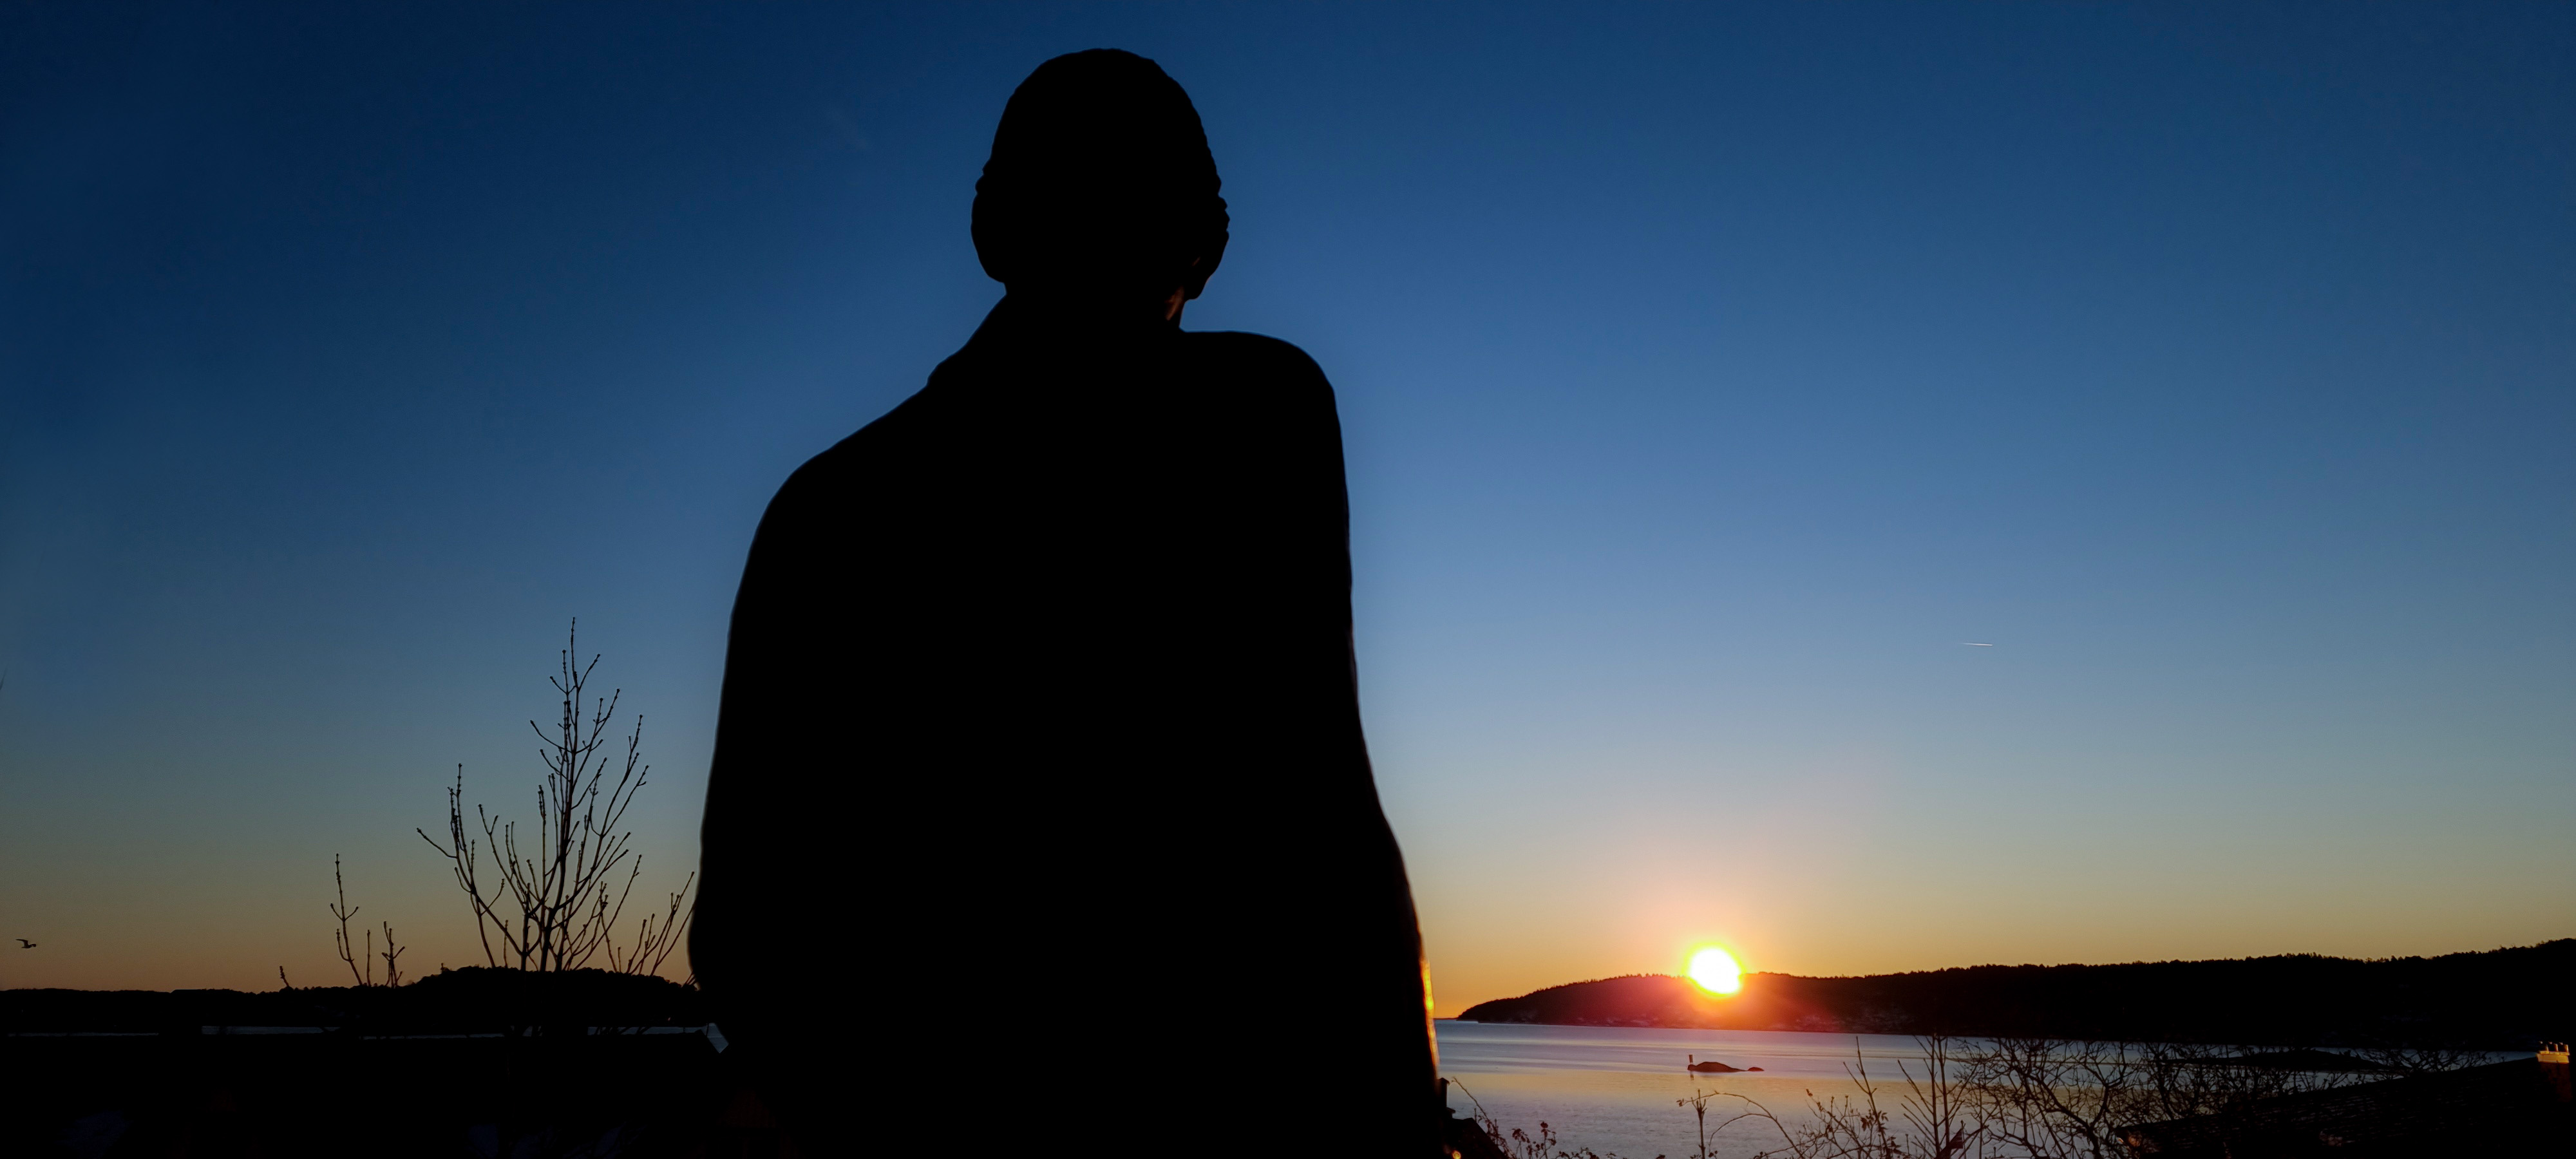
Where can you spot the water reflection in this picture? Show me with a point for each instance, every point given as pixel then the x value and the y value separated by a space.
pixel 1613 1089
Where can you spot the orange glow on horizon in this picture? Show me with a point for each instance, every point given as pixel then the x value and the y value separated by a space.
pixel 1715 971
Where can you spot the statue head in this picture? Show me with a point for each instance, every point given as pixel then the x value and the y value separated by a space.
pixel 1101 186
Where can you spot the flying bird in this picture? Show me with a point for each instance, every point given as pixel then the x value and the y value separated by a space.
pixel 24 944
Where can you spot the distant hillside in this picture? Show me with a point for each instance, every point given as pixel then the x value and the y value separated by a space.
pixel 2502 999
pixel 471 1000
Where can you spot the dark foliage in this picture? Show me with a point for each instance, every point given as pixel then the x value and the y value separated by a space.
pixel 473 1061
pixel 2051 1099
pixel 2521 1107
pixel 635 1096
pixel 474 1000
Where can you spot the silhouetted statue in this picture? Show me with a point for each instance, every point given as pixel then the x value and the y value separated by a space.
pixel 1040 738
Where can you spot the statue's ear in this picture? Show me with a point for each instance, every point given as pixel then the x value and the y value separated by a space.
pixel 992 236
pixel 1204 266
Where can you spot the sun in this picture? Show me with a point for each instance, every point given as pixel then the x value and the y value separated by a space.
pixel 1715 971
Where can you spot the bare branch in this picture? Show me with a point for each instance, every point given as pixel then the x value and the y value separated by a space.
pixel 342 910
pixel 561 889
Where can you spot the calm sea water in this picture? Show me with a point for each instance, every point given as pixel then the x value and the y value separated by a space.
pixel 1613 1089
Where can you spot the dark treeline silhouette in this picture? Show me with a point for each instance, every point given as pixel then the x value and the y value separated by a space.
pixel 474 1000
pixel 476 1061
pixel 1041 686
pixel 292 1096
pixel 2502 999
pixel 2518 1107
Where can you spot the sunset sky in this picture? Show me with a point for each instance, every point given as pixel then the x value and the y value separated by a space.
pixel 1713 378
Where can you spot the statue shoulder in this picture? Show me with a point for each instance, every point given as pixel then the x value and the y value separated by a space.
pixel 1258 360
pixel 1253 350
pixel 827 484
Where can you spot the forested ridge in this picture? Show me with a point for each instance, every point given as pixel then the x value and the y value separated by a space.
pixel 2500 999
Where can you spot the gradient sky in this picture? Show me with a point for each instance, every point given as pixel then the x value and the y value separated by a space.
pixel 1710 375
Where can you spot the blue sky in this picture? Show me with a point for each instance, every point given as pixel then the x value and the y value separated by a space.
pixel 1710 374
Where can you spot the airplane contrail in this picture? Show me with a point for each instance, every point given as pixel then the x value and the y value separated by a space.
pixel 1974 644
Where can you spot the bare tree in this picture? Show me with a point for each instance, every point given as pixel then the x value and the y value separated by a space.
pixel 1699 1101
pixel 392 954
pixel 558 897
pixel 2425 1059
pixel 1934 1118
pixel 2023 1098
pixel 1999 1098
pixel 1516 1143
pixel 654 944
